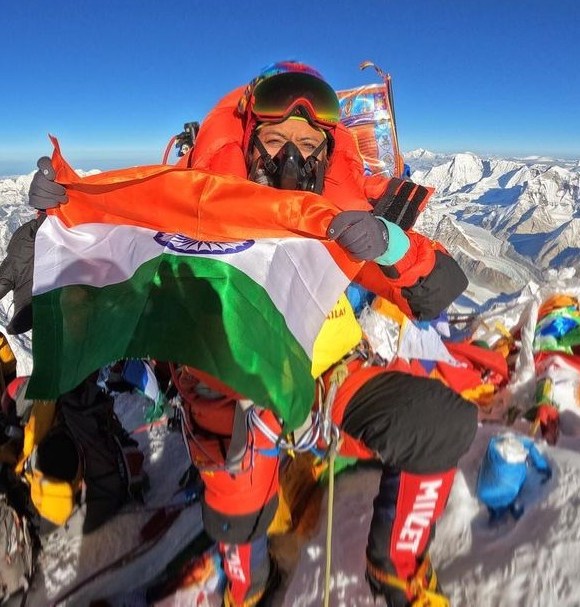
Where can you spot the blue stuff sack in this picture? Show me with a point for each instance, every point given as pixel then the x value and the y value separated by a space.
pixel 504 470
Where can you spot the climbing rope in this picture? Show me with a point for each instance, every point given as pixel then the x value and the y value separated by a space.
pixel 331 436
pixel 329 522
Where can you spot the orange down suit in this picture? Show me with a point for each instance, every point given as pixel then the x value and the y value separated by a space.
pixel 238 507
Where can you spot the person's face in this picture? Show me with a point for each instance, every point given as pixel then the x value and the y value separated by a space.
pixel 304 136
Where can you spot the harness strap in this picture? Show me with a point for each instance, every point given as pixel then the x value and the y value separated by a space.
pixel 239 440
pixel 305 442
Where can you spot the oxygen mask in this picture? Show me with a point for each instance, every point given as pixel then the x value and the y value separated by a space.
pixel 288 169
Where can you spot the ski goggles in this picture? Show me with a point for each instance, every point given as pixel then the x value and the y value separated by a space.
pixel 276 98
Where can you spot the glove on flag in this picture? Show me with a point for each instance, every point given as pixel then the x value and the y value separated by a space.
pixel 44 193
pixel 361 234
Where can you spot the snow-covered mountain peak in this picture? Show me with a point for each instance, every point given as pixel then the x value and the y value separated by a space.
pixel 420 153
pixel 486 259
pixel 14 189
pixel 462 170
pixel 523 210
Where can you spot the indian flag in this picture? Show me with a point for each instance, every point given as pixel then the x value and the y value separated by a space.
pixel 245 310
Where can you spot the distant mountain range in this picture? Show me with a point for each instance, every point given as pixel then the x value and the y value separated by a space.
pixel 507 221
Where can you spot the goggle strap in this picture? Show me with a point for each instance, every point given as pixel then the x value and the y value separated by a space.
pixel 313 158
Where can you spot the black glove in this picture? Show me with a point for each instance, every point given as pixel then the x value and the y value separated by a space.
pixel 401 202
pixel 432 294
pixel 16 275
pixel 44 193
pixel 362 235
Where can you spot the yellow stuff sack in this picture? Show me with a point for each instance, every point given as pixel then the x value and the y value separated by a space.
pixel 38 425
pixel 55 500
pixel 339 334
pixel 7 357
pixel 54 473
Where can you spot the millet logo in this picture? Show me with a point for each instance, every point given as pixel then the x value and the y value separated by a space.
pixel 420 517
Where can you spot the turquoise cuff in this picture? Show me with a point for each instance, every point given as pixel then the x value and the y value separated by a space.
pixel 398 246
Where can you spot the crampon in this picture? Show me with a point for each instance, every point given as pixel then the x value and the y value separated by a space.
pixel 422 590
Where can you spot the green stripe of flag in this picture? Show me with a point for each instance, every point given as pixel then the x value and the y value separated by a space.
pixel 185 309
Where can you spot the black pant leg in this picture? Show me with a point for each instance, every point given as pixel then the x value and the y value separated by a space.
pixel 414 423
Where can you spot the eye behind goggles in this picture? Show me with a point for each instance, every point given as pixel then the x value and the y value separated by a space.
pixel 276 98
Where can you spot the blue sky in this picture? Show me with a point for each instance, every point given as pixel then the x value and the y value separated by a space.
pixel 115 79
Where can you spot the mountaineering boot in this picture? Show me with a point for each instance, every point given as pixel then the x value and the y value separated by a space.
pixel 394 596
pixel 405 512
pixel 273 583
pixel 251 572
pixel 421 590
pixel 261 598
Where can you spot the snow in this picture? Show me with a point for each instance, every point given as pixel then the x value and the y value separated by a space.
pixel 526 562
pixel 68 556
pixel 529 562
pixel 532 561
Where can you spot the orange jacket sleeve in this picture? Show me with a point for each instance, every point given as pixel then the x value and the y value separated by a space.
pixel 422 284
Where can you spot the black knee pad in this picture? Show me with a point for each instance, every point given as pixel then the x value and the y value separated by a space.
pixel 414 423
